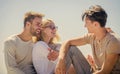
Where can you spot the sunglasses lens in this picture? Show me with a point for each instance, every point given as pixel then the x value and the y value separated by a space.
pixel 53 27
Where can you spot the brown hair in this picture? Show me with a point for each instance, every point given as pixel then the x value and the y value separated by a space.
pixel 29 16
pixel 96 13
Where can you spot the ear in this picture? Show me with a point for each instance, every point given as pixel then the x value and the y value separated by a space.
pixel 96 24
pixel 28 23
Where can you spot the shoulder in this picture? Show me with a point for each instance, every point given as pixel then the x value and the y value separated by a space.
pixel 114 38
pixel 40 43
pixel 10 43
pixel 114 43
pixel 11 39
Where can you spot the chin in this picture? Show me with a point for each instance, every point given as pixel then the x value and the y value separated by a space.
pixel 88 31
pixel 53 36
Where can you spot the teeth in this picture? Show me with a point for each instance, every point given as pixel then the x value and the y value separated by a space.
pixel 38 31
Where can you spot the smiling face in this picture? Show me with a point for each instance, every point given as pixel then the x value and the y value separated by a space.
pixel 32 23
pixel 36 26
pixel 50 30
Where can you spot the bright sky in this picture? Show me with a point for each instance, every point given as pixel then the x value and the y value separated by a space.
pixel 65 13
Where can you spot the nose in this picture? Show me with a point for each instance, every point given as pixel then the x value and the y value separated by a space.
pixel 54 30
pixel 84 25
pixel 39 26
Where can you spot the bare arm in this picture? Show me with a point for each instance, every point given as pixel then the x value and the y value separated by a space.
pixel 65 46
pixel 112 54
pixel 60 67
pixel 108 64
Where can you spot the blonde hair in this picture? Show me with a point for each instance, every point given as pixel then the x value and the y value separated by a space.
pixel 42 35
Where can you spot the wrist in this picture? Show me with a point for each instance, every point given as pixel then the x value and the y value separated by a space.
pixel 61 56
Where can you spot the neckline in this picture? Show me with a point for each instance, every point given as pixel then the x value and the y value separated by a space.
pixel 22 40
pixel 103 39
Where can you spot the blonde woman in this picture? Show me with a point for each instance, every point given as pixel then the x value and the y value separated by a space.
pixel 45 50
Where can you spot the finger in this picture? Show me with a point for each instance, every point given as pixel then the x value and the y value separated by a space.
pixel 52 58
pixel 48 58
pixel 49 49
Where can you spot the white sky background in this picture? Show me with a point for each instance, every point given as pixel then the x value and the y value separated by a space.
pixel 65 13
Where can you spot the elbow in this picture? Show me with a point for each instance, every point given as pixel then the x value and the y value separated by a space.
pixel 68 42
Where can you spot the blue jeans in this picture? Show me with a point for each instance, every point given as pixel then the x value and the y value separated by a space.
pixel 75 57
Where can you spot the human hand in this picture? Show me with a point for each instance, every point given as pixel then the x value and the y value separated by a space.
pixel 90 60
pixel 53 55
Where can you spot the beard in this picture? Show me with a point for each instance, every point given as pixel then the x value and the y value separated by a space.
pixel 34 31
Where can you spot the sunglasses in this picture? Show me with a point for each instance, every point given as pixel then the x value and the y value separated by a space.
pixel 52 27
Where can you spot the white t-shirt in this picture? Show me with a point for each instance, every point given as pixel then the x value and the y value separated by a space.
pixel 40 60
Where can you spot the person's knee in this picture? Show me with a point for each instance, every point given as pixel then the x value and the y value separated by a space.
pixel 73 49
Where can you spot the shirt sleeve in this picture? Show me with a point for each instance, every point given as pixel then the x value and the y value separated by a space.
pixel 39 55
pixel 9 52
pixel 114 46
pixel 58 47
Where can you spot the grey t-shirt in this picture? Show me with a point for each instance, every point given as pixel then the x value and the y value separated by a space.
pixel 18 56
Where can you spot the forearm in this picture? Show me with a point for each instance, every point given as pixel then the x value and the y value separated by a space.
pixel 75 41
pixel 11 65
pixel 64 49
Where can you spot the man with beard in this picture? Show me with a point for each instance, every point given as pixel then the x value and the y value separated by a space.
pixel 18 48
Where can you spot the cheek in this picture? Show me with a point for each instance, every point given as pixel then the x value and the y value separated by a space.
pixel 87 26
pixel 32 29
pixel 48 32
